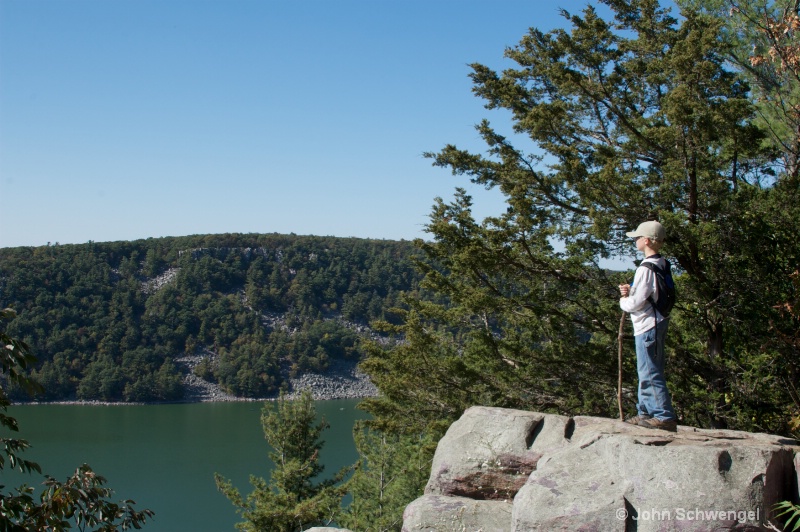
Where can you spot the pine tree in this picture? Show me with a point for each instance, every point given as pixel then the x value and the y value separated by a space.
pixel 763 45
pixel 621 120
pixel 291 501
pixel 392 471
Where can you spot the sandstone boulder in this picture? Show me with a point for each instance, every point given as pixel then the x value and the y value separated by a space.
pixel 797 470
pixel 437 512
pixel 490 452
pixel 499 469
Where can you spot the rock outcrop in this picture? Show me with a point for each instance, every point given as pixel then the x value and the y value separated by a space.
pixel 509 470
pixel 342 380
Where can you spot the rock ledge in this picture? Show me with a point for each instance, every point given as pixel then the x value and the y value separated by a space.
pixel 509 470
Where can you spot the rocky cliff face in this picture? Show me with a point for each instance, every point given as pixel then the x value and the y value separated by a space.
pixel 509 470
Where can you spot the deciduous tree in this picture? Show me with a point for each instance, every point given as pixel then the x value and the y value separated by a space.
pixel 81 500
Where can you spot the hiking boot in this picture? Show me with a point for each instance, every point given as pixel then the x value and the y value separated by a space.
pixel 664 424
pixel 634 420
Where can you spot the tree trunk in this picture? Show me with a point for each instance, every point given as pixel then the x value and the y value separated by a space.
pixel 717 380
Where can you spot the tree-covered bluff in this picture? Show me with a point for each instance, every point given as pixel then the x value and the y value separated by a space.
pixel 107 321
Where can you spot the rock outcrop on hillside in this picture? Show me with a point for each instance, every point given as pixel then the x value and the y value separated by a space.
pixel 509 470
pixel 342 380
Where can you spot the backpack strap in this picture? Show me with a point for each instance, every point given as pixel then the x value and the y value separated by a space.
pixel 658 271
pixel 653 267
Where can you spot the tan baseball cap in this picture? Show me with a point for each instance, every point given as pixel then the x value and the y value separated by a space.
pixel 652 230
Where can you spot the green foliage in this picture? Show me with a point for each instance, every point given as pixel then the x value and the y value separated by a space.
pixel 630 119
pixel 109 320
pixel 763 46
pixel 291 501
pixel 15 356
pixel 392 471
pixel 790 512
pixel 80 500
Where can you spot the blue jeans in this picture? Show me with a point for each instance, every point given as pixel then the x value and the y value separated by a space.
pixel 654 399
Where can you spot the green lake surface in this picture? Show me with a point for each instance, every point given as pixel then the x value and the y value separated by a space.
pixel 164 456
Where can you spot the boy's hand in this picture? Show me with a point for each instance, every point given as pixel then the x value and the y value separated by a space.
pixel 624 289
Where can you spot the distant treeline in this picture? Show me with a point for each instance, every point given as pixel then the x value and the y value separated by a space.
pixel 107 320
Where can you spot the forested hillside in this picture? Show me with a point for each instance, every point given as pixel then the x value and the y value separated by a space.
pixel 107 321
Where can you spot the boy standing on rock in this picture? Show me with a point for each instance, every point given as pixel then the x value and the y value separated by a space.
pixel 649 330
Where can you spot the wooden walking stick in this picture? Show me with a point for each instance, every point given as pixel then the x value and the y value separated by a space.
pixel 619 381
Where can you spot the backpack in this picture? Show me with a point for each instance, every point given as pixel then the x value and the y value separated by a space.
pixel 666 288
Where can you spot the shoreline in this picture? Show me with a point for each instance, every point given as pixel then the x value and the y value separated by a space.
pixel 343 380
pixel 232 399
pixel 76 402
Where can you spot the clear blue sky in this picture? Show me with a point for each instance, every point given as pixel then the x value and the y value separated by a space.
pixel 131 119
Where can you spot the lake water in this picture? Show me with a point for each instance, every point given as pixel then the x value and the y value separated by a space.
pixel 164 456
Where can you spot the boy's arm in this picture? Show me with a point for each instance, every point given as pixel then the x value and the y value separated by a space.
pixel 642 289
